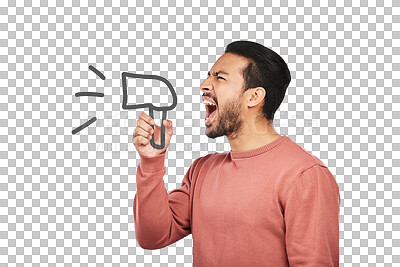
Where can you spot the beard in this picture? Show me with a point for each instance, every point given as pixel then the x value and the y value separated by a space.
pixel 228 121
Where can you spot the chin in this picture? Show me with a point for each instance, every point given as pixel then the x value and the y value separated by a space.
pixel 212 134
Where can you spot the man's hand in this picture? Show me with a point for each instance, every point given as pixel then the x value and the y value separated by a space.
pixel 143 134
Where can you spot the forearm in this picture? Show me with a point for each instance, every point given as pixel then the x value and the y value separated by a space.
pixel 152 214
pixel 160 218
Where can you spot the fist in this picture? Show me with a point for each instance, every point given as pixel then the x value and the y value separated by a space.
pixel 144 132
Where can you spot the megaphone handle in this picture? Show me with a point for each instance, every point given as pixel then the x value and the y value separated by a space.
pixel 152 141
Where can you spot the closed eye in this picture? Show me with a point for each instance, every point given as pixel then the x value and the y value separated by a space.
pixel 219 77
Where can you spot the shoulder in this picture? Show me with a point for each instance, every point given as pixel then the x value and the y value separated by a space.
pixel 204 163
pixel 209 160
pixel 297 158
pixel 301 164
pixel 315 183
pixel 200 166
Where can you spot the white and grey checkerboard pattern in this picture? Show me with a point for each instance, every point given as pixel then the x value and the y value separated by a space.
pixel 67 199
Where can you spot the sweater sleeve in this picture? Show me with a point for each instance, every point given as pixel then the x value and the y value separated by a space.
pixel 160 218
pixel 311 213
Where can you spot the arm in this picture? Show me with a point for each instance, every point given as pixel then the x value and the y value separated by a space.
pixel 311 213
pixel 160 218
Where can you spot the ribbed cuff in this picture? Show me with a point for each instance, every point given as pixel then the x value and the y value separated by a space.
pixel 152 164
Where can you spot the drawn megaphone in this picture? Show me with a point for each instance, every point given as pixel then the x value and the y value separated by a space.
pixel 151 107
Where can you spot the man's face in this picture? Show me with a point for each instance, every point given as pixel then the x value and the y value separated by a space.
pixel 224 86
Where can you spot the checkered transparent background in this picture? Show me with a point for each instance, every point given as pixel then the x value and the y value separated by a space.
pixel 68 199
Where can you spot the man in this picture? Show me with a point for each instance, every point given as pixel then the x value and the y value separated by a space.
pixel 268 202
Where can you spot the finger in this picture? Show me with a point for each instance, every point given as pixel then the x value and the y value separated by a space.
pixel 144 125
pixel 140 140
pixel 140 132
pixel 146 118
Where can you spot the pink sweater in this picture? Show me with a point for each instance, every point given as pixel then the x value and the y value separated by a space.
pixel 276 205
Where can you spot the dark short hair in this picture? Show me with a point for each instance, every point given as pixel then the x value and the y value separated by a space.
pixel 266 69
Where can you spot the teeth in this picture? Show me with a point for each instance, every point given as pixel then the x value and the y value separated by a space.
pixel 208 103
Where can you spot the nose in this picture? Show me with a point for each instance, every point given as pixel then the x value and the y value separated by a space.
pixel 206 85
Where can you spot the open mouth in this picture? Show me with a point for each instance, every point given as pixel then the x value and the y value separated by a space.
pixel 211 110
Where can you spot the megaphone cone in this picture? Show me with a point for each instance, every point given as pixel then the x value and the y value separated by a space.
pixel 151 107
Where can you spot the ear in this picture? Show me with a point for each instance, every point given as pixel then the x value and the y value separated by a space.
pixel 256 96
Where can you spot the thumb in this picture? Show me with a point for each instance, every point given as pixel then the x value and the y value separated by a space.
pixel 168 127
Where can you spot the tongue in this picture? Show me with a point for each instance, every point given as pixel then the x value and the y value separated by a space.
pixel 212 115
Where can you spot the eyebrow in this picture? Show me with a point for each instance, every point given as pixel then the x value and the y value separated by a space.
pixel 216 73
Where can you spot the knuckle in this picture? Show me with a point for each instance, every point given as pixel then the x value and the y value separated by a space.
pixel 144 140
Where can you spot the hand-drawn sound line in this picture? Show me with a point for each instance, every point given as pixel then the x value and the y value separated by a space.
pixel 98 73
pixel 96 94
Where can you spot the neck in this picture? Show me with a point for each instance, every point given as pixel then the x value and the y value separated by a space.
pixel 253 135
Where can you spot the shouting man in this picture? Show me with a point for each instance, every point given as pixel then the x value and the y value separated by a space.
pixel 268 202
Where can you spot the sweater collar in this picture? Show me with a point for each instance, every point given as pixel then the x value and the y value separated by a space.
pixel 257 151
